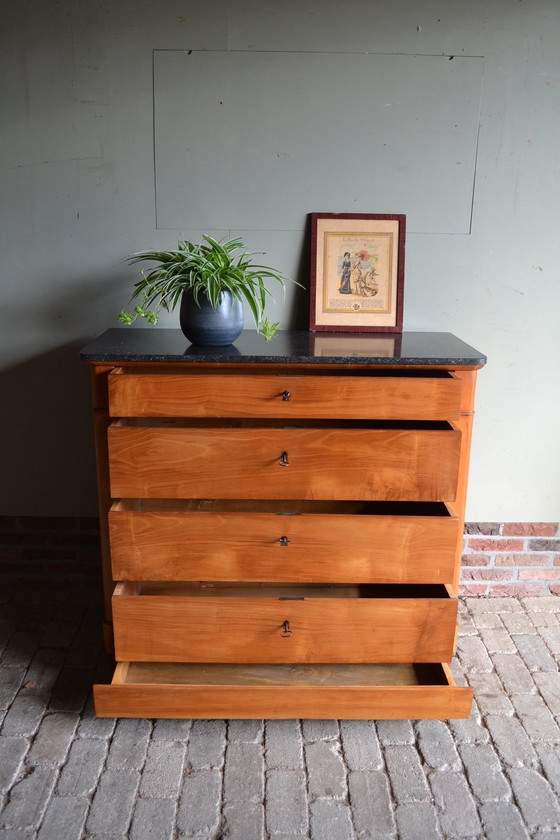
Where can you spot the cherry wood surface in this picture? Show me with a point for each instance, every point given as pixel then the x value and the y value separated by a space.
pixel 391 464
pixel 198 625
pixel 187 544
pixel 133 394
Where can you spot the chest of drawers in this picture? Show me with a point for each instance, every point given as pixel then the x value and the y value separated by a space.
pixel 282 529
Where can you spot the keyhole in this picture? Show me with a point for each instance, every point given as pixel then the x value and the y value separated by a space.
pixel 284 460
pixel 286 630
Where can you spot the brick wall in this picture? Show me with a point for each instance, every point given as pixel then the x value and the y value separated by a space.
pixel 511 558
pixel 55 549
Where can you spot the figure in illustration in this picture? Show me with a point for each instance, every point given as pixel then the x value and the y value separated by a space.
pixel 345 288
pixel 357 274
pixel 370 286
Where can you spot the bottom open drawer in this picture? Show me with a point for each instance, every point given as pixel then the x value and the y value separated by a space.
pixel 346 692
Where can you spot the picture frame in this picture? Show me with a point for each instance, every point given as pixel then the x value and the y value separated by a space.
pixel 357 272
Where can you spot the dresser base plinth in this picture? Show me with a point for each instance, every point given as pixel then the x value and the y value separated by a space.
pixel 373 691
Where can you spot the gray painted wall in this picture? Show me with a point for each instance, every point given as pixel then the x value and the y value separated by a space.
pixel 79 195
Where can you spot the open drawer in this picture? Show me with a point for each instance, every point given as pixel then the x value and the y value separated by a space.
pixel 412 395
pixel 350 692
pixel 346 542
pixel 288 623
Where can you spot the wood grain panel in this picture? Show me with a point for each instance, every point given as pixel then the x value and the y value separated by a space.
pixel 133 394
pixel 199 627
pixel 386 464
pixel 175 545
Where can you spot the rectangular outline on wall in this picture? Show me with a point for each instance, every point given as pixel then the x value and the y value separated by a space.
pixel 450 57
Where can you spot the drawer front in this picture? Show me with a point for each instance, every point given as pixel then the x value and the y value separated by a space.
pixel 199 628
pixel 385 464
pixel 134 394
pixel 334 547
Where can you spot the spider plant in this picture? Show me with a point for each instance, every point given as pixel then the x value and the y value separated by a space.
pixel 209 268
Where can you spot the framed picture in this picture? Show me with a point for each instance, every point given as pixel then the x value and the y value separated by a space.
pixel 357 272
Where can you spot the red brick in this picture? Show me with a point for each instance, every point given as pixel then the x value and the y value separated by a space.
pixel 472 589
pixel 557 559
pixel 8 522
pixel 495 545
pixel 48 523
pixel 554 590
pixel 516 589
pixel 487 574
pixel 521 559
pixel 476 559
pixel 530 529
pixel 544 545
pixel 539 574
pixel 8 555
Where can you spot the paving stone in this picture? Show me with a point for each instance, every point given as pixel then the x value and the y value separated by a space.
pixel 490 695
pixel 417 821
pixel 19 834
pixel 71 689
pixel 64 818
pixel 473 656
pixel 518 623
pixel 406 775
pixel 10 681
pixel 25 713
pixel 502 821
pixel 535 798
pixel 29 799
pixel 497 641
pixel 20 648
pixel 113 802
pixel 286 802
pixel 536 718
pixel 331 821
pixel 494 606
pixel 53 739
pixel 548 685
pixel 550 759
pixel 360 745
pixel 171 729
pixel 94 727
pixel 153 819
pixel 470 730
pixel 244 773
pixel 129 745
pixel 542 603
pixel 163 771
pixel 200 804
pixel 80 774
pixel 511 741
pixel 320 730
pixel 534 653
pixel 456 807
pixel 513 673
pixel 246 730
pixel 326 771
pixel 436 745
pixel 207 743
pixel 284 744
pixel 370 801
pixel 244 821
pixel 484 772
pixel 551 638
pixel 12 752
pixel 395 732
pixel 59 634
pixel 466 625
pixel 44 669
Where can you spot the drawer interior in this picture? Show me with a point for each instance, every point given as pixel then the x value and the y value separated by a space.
pixel 280 591
pixel 264 423
pixel 184 673
pixel 280 507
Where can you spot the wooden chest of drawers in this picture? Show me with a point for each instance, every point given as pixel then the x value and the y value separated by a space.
pixel 282 535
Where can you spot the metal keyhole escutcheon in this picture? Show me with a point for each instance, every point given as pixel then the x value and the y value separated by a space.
pixel 286 632
pixel 284 541
pixel 284 460
pixel 286 395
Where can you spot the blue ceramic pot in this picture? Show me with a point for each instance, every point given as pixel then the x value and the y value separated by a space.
pixel 208 327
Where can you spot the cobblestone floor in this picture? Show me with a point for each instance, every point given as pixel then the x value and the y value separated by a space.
pixel 64 775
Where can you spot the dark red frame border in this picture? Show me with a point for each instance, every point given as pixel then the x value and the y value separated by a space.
pixel 401 219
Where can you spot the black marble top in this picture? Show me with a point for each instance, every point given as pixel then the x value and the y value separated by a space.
pixel 287 347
